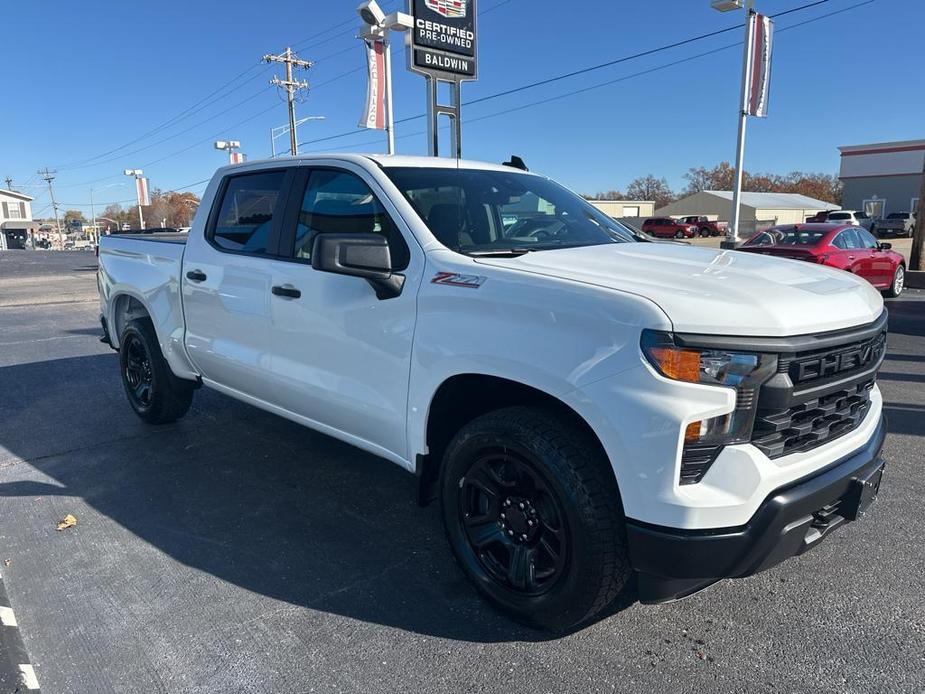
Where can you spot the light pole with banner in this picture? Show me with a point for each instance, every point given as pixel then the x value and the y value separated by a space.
pixel 141 191
pixel 753 96
pixel 378 113
pixel 443 47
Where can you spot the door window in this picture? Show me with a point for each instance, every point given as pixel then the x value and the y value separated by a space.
pixel 867 241
pixel 340 202
pixel 244 220
pixel 849 240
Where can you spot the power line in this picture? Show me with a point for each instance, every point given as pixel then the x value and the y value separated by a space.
pixel 624 78
pixel 580 71
pixel 175 135
pixel 186 113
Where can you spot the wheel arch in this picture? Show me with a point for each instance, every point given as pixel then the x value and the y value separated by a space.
pixel 461 398
pixel 126 307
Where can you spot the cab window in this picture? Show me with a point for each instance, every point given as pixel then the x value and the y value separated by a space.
pixel 340 202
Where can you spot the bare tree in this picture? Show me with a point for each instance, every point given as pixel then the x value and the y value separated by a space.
pixel 650 188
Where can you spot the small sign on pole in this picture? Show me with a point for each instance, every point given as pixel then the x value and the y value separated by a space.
pixel 760 78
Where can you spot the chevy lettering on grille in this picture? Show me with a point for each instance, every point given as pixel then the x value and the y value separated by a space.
pixel 855 357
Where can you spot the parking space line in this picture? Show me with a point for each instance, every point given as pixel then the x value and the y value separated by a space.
pixel 28 676
pixel 7 618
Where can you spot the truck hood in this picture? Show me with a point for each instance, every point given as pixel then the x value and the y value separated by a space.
pixel 705 290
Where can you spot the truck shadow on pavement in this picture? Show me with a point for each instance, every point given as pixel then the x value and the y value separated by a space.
pixel 250 498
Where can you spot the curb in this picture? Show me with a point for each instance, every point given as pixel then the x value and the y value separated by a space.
pixel 915 279
pixel 15 668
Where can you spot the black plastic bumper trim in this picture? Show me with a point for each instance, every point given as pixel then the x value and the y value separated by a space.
pixel 673 563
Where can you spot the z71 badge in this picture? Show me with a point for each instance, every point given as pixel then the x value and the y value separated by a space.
pixel 454 279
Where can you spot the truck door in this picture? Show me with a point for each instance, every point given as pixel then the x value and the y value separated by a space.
pixel 227 281
pixel 340 356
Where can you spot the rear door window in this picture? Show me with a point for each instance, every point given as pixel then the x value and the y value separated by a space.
pixel 250 203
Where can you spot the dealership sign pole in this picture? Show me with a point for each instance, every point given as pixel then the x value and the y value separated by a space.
pixel 442 47
pixel 753 99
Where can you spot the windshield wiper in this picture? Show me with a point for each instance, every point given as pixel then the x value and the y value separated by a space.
pixel 500 252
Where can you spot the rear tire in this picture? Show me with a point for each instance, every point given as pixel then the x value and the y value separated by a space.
pixel 705 233
pixel 156 395
pixel 533 515
pixel 899 283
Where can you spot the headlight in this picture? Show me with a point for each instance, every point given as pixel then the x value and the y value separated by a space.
pixel 742 371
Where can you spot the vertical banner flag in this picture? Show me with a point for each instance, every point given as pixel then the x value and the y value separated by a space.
pixel 236 157
pixel 374 112
pixel 760 78
pixel 141 188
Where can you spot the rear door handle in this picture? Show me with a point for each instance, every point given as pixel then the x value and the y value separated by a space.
pixel 287 291
pixel 196 275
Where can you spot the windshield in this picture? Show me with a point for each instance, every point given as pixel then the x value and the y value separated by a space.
pixel 898 215
pixel 480 212
pixel 839 215
pixel 787 237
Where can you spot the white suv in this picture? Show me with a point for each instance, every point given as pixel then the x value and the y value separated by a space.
pixel 850 217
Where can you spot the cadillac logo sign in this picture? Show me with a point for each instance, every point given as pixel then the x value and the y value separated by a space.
pixel 443 39
pixel 448 8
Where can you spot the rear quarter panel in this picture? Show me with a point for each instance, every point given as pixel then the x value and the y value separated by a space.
pixel 148 271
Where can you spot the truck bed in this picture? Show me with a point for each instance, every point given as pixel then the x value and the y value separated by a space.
pixel 162 236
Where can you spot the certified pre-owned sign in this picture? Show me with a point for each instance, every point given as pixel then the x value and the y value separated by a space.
pixel 443 39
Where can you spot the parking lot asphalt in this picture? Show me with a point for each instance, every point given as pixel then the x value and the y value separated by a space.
pixel 234 551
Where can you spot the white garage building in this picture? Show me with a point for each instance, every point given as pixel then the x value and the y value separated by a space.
pixel 758 210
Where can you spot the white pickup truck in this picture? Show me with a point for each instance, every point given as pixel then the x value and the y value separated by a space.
pixel 585 405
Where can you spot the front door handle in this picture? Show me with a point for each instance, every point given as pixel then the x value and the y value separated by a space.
pixel 850 257
pixel 287 291
pixel 196 275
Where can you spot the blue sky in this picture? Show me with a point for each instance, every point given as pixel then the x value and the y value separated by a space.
pixel 94 75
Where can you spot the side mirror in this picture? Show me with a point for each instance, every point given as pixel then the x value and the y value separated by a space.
pixel 884 246
pixel 364 255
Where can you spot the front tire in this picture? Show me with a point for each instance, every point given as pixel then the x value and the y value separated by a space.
pixel 156 395
pixel 533 515
pixel 899 282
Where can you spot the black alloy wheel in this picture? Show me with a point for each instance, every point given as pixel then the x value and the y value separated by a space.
pixel 533 514
pixel 137 371
pixel 513 523
pixel 153 391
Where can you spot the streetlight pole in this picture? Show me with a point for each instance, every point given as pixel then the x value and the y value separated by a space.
pixel 732 232
pixel 276 132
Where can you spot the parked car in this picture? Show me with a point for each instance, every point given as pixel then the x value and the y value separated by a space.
pixel 846 247
pixel 705 227
pixel 854 217
pixel 584 406
pixel 895 224
pixel 666 227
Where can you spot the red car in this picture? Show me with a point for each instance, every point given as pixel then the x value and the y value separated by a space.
pixel 846 247
pixel 666 227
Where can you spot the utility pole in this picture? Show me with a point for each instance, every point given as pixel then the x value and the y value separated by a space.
pixel 49 176
pixel 9 182
pixel 288 58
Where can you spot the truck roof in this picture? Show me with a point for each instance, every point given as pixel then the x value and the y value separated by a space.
pixel 383 160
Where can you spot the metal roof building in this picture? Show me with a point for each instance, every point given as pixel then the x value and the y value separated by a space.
pixel 763 209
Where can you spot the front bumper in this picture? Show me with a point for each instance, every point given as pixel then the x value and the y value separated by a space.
pixel 674 563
